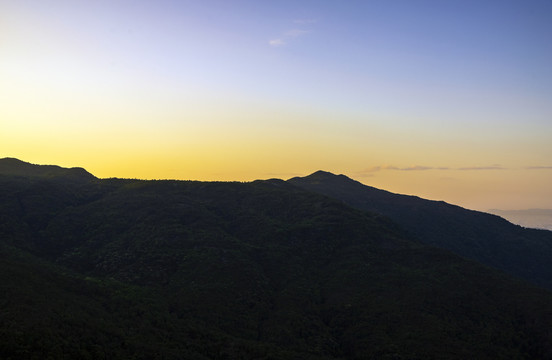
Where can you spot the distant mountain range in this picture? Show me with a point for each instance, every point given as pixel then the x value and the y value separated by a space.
pixel 115 268
pixel 530 218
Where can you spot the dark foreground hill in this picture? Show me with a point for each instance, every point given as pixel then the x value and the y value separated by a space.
pixel 483 237
pixel 261 270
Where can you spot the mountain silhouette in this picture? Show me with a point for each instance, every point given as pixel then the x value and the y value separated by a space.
pixel 15 167
pixel 483 237
pixel 119 268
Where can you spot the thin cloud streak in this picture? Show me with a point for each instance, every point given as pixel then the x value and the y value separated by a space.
pixel 276 42
pixel 494 167
pixel 374 169
pixel 291 34
pixel 409 168
pixel 538 167
pixel 417 168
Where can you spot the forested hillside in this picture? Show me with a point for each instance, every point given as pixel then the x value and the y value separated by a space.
pixel 116 268
pixel 486 238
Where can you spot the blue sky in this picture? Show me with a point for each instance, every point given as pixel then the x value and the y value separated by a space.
pixel 247 89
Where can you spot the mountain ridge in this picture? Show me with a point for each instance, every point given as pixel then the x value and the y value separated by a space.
pixel 479 236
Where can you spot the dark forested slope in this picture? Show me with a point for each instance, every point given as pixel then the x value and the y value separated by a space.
pixel 483 237
pixel 182 269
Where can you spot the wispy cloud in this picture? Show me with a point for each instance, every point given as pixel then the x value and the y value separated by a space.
pixel 291 34
pixel 493 167
pixel 417 168
pixel 375 169
pixel 408 168
pixel 538 167
pixel 371 171
pixel 276 42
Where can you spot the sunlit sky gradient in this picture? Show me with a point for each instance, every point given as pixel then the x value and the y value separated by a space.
pixel 448 100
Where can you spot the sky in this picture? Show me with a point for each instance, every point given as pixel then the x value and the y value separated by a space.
pixel 446 100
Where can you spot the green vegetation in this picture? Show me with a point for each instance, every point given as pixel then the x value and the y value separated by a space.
pixel 263 270
pixel 486 238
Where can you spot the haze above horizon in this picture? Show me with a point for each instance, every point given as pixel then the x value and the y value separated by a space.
pixel 444 100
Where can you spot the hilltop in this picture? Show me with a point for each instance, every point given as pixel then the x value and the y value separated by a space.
pixel 15 167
